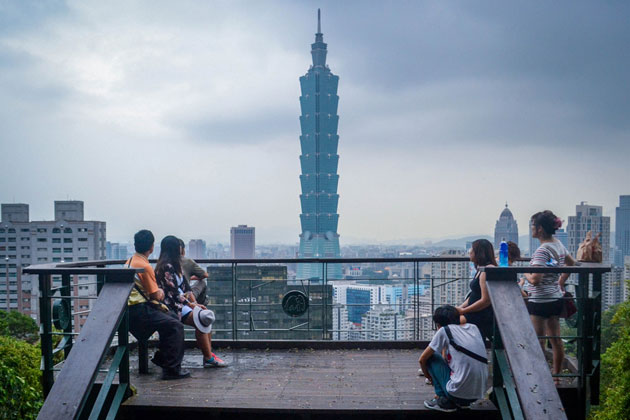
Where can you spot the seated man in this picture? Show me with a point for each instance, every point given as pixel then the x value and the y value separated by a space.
pixel 461 379
pixel 145 317
pixel 194 273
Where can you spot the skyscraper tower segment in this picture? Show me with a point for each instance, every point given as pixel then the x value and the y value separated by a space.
pixel 318 162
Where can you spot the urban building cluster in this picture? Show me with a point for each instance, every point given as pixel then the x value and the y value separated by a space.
pixel 66 238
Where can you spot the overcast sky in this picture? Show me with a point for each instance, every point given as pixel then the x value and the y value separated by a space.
pixel 182 117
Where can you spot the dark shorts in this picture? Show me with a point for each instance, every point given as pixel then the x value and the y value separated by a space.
pixel 545 309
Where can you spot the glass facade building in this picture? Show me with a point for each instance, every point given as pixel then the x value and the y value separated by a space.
pixel 318 162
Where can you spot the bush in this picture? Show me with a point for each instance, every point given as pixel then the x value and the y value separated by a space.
pixel 616 370
pixel 18 325
pixel 20 379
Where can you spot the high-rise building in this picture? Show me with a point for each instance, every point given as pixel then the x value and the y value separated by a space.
pixel 450 279
pixel 243 241
pixel 614 292
pixel 385 324
pixel 589 218
pixel 24 242
pixel 506 228
pixel 622 229
pixel 116 251
pixel 626 278
pixel 319 161
pixel 197 249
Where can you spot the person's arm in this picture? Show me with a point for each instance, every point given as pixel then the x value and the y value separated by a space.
pixel 568 260
pixel 464 304
pixel 534 278
pixel 424 358
pixel 149 284
pixel 482 303
pixel 539 259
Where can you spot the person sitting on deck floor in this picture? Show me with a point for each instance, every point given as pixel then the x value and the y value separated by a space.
pixel 180 299
pixel 145 317
pixel 461 379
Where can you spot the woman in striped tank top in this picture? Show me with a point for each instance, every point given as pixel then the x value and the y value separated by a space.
pixel 545 291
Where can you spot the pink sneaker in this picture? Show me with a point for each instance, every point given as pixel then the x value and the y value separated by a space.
pixel 214 361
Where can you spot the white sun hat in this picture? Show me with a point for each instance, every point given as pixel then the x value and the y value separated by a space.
pixel 203 319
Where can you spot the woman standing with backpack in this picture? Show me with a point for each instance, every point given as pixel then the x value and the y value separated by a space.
pixel 545 291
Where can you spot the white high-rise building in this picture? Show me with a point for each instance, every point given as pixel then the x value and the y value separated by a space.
pixel 450 280
pixel 196 249
pixel 385 324
pixel 340 323
pixel 67 238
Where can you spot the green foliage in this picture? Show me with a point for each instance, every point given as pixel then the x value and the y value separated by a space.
pixel 616 370
pixel 20 379
pixel 18 325
pixel 610 330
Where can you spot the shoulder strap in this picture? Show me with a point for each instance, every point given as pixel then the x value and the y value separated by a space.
pixel 463 349
pixel 136 280
pixel 553 252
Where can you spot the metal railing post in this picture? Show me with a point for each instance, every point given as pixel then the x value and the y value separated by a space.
pixel 582 294
pixel 45 319
pixel 597 338
pixel 234 305
pixel 66 290
pixel 416 300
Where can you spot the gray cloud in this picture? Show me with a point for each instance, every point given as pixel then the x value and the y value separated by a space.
pixel 430 93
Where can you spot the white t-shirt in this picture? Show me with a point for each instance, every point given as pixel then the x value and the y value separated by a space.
pixel 468 376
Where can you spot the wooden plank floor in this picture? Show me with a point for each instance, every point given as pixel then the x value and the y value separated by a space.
pixel 305 380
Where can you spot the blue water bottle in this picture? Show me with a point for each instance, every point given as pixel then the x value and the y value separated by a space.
pixel 503 254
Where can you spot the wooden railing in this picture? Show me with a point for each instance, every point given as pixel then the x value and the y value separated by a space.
pixel 523 384
pixel 70 395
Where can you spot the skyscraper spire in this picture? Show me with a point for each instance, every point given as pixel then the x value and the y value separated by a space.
pixel 318 48
pixel 319 21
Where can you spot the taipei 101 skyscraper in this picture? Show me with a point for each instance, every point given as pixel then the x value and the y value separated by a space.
pixel 319 161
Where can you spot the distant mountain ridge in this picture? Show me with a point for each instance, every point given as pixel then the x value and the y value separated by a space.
pixel 459 242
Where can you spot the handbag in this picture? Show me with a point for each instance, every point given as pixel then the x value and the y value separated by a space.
pixel 591 249
pixel 569 309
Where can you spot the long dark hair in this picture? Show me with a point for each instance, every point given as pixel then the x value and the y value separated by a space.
pixel 483 253
pixel 169 254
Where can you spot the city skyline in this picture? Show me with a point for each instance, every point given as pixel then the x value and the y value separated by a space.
pixel 432 94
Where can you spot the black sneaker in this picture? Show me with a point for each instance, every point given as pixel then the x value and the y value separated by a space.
pixel 441 404
pixel 175 373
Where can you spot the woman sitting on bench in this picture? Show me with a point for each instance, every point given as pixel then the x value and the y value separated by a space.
pixel 180 300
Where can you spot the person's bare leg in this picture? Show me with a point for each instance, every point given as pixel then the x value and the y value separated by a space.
pixel 553 329
pixel 539 327
pixel 203 340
